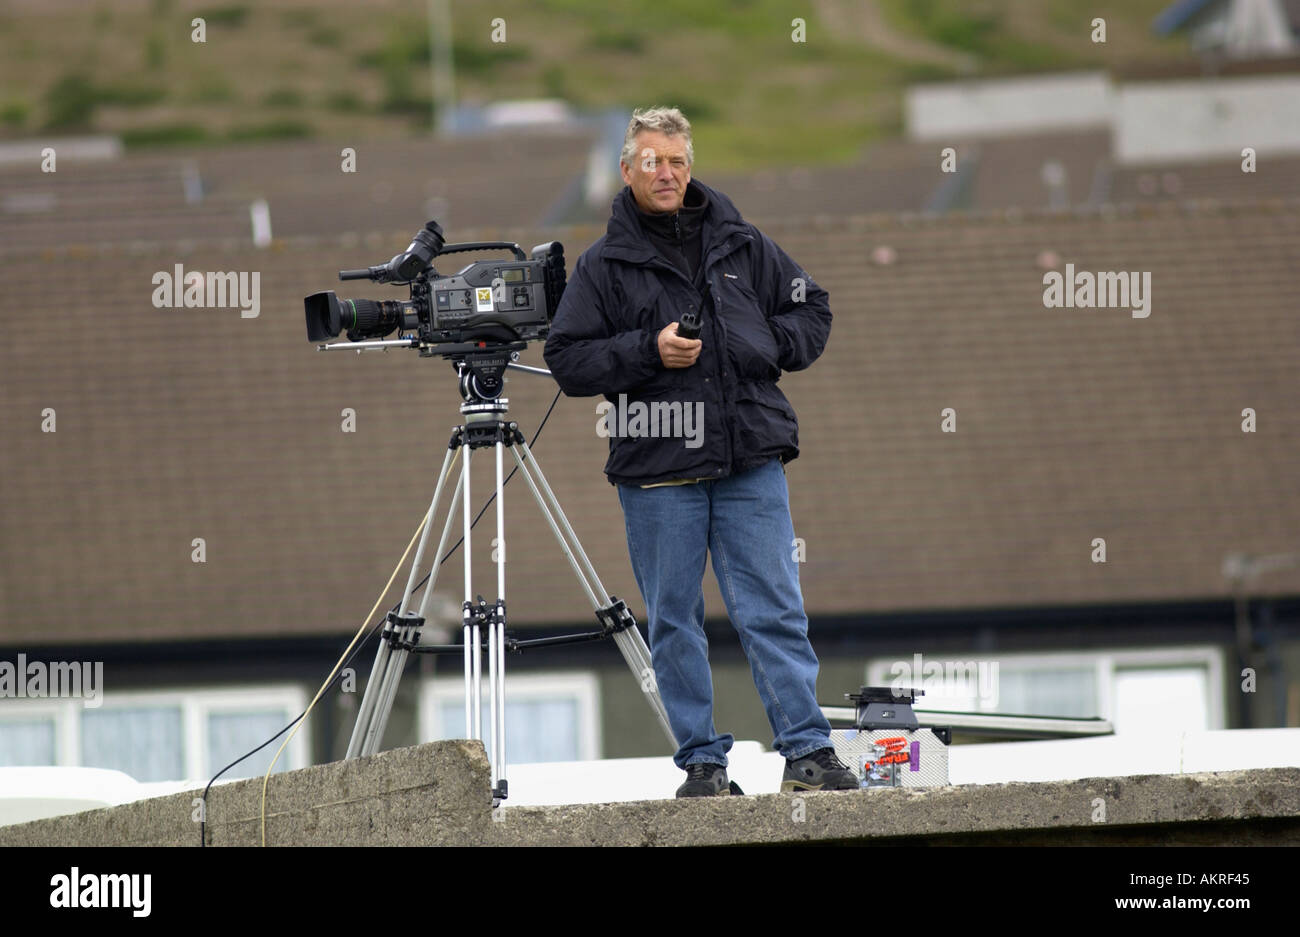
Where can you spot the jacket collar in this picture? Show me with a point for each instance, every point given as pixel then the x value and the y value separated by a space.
pixel 625 238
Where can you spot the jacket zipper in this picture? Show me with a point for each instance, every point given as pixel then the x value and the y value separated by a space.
pixel 660 262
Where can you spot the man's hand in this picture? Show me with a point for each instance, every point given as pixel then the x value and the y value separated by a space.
pixel 675 351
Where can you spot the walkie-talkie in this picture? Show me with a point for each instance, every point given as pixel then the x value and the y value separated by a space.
pixel 689 324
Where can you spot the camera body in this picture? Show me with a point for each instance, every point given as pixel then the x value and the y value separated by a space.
pixel 491 300
pixel 488 301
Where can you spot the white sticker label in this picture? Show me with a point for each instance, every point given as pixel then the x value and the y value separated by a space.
pixel 483 299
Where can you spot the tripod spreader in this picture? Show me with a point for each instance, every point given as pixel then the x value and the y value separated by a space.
pixel 616 617
pixel 402 632
pixel 482 435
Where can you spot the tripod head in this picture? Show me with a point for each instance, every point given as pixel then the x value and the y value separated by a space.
pixel 482 368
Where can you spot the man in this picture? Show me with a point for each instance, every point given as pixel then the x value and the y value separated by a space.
pixel 717 487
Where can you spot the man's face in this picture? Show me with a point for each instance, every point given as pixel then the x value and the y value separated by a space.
pixel 660 173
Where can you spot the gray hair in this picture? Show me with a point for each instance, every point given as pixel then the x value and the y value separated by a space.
pixel 667 120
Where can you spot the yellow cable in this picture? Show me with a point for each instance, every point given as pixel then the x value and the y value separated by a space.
pixel 346 651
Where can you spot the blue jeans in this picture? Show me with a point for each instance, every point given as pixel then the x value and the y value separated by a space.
pixel 744 522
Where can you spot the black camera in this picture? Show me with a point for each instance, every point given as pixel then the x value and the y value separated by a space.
pixel 489 301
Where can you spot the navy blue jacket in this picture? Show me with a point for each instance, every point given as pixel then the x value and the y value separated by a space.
pixel 756 323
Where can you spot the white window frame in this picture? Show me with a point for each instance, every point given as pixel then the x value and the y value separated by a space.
pixel 27 710
pixel 195 705
pixel 582 686
pixel 1105 664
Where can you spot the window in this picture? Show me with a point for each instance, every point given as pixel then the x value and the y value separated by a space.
pixel 156 736
pixel 26 740
pixel 1166 689
pixel 549 717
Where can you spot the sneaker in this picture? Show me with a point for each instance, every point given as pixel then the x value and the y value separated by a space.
pixel 818 771
pixel 705 779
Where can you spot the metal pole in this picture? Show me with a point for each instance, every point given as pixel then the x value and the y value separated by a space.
pixel 498 636
pixel 443 67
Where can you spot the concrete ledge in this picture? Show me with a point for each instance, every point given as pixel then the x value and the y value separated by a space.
pixel 438 794
pixel 435 794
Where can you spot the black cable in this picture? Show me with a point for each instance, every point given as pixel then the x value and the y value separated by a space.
pixel 203 816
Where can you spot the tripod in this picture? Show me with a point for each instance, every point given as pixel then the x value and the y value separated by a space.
pixel 482 380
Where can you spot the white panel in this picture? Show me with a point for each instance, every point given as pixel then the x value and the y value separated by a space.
pixel 999 106
pixel 1161 700
pixel 1207 118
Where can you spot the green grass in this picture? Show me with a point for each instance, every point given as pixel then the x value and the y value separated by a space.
pixel 344 101
pixel 231 16
pixel 14 113
pixel 326 37
pixel 617 40
pixel 731 147
pixel 126 94
pixel 211 88
pixel 283 97
pixel 270 130
pixel 344 70
pixel 70 103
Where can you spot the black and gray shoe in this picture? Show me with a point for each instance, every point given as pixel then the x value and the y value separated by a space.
pixel 705 779
pixel 818 771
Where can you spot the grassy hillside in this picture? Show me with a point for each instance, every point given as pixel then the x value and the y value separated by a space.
pixel 346 70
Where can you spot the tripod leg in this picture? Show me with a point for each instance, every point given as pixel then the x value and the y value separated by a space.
pixel 629 640
pixel 367 709
pixel 473 694
pixel 469 675
pixel 500 789
pixel 493 762
pixel 397 665
pixel 494 665
pixel 497 639
pixel 410 634
pixel 374 703
pixel 426 602
pixel 387 692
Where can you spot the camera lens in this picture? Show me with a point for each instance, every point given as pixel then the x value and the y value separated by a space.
pixel 322 316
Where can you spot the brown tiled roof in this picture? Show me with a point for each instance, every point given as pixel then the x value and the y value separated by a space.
pixel 501 179
pixel 1078 423
pixel 1072 424
pixel 891 177
pixel 469 181
pixel 993 173
pixel 997 173
pixel 1275 176
pixel 135 198
pixel 1010 171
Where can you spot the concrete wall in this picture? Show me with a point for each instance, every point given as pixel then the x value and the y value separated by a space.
pixel 1206 118
pixel 437 794
pixel 959 110
pixel 1150 121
